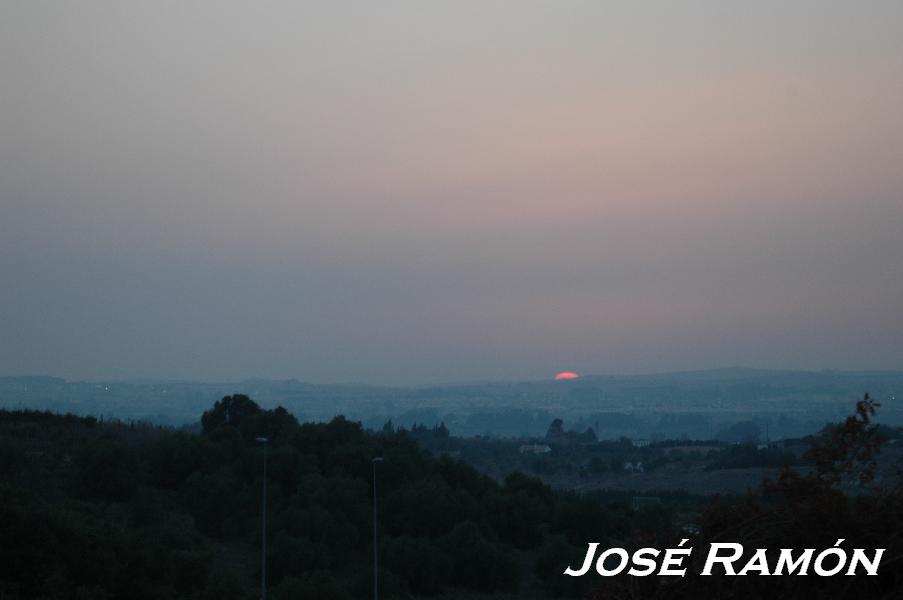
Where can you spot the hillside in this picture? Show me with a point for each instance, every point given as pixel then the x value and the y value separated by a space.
pixel 97 509
pixel 107 509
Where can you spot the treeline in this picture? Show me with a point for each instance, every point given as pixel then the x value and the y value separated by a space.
pixel 102 510
pixel 571 455
pixel 113 510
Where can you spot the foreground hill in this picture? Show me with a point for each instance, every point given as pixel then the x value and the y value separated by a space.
pixel 109 510
pixel 92 509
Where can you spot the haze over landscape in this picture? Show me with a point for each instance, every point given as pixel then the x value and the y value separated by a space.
pixel 403 193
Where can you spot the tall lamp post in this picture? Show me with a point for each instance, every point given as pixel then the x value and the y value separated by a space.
pixel 263 523
pixel 378 459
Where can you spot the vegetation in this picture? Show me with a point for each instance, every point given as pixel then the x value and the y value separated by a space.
pixel 811 509
pixel 94 509
pixel 111 510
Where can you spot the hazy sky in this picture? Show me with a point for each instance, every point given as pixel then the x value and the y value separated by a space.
pixel 407 192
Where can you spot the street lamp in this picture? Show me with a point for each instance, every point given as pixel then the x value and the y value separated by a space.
pixel 378 459
pixel 263 528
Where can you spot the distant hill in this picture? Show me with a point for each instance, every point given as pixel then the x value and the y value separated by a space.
pixel 783 402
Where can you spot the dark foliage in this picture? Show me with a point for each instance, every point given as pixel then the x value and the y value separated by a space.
pixel 744 456
pixel 116 510
pixel 799 510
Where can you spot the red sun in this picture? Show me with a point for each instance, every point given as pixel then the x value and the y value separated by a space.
pixel 566 375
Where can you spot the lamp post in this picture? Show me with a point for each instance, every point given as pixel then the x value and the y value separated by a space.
pixel 378 459
pixel 263 523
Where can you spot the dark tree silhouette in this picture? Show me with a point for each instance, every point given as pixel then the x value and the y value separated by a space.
pixel 231 410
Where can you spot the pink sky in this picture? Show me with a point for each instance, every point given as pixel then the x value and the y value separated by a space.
pixel 413 192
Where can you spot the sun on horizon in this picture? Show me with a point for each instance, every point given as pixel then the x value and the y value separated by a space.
pixel 565 375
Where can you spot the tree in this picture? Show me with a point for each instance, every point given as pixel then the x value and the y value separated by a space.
pixel 420 563
pixel 478 563
pixel 799 510
pixel 106 470
pixel 847 451
pixel 231 410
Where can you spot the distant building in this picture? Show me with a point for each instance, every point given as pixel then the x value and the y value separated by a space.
pixel 534 449
pixel 639 443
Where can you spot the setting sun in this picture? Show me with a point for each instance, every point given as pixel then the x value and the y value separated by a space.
pixel 566 375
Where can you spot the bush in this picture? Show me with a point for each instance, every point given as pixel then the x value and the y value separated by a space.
pixel 479 564
pixel 555 555
pixel 422 565
pixel 106 470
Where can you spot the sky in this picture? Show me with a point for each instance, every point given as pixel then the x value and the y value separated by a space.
pixel 421 192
